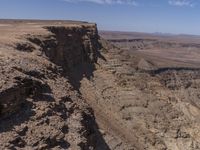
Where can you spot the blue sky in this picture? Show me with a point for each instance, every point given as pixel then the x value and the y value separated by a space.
pixel 167 16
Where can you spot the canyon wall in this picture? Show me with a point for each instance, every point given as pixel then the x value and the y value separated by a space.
pixel 40 108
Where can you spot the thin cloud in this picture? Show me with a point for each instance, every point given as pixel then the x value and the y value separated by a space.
pixel 127 2
pixel 181 3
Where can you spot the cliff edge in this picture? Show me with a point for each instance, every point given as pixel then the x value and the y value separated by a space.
pixel 40 108
pixel 63 87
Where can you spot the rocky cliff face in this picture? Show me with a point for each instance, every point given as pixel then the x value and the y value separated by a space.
pixel 39 107
pixel 69 47
pixel 62 87
pixel 66 47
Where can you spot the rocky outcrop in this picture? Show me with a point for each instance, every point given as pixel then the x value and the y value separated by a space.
pixel 39 106
pixel 69 47
pixel 14 97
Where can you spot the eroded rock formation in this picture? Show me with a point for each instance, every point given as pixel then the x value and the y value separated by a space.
pixel 40 108
pixel 62 87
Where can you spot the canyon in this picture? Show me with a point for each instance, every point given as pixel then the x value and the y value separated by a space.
pixel 66 85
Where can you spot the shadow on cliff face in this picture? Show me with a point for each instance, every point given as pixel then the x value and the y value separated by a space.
pixel 76 50
pixel 24 114
pixel 95 139
pixel 20 99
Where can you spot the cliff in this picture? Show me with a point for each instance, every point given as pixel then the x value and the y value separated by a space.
pixel 63 87
pixel 39 106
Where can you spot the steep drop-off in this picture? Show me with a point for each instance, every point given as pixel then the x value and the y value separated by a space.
pixel 63 87
pixel 40 108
